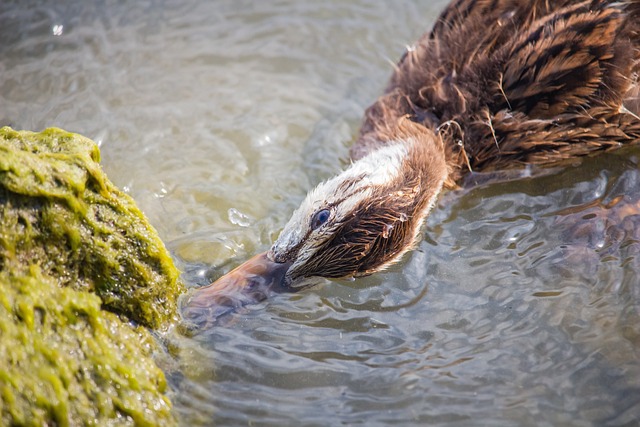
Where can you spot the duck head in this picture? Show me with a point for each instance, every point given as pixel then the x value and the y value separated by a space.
pixel 359 222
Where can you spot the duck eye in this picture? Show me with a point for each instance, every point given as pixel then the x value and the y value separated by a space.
pixel 320 218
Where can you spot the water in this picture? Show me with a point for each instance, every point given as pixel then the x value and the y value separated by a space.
pixel 520 306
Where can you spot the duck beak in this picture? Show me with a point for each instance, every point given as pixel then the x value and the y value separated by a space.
pixel 249 283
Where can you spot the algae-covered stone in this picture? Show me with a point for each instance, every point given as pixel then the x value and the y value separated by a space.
pixel 64 361
pixel 60 212
pixel 72 245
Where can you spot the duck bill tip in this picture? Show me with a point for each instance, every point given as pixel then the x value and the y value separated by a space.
pixel 249 283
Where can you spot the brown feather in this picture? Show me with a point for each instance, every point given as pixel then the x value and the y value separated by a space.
pixel 508 82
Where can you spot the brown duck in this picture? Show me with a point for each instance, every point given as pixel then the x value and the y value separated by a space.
pixel 496 84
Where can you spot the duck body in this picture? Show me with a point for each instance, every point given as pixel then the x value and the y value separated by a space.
pixel 506 83
pixel 495 85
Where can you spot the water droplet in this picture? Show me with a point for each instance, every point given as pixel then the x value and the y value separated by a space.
pixel 387 231
pixel 162 192
pixel 403 217
pixel 57 30
pixel 238 218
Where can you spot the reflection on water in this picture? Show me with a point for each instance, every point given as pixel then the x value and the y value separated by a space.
pixel 520 306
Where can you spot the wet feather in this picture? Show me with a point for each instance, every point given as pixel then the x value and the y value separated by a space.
pixel 524 82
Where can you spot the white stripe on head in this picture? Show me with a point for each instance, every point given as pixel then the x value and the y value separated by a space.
pixel 342 194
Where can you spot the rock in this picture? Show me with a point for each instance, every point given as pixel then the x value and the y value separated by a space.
pixel 78 264
pixel 60 212
pixel 64 361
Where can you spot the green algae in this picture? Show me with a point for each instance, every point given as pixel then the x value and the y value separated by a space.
pixel 60 212
pixel 64 361
pixel 78 262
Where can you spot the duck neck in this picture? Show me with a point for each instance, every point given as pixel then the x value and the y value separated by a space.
pixel 424 169
pixel 426 157
pixel 407 192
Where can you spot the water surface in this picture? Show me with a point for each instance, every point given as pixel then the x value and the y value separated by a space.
pixel 519 307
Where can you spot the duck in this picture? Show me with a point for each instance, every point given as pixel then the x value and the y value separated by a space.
pixel 494 85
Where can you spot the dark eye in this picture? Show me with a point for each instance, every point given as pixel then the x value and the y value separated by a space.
pixel 320 218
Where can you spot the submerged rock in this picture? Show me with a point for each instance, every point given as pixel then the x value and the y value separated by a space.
pixel 78 262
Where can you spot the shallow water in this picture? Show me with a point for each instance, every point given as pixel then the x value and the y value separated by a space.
pixel 521 305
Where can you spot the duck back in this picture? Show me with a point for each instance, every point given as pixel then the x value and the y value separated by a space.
pixel 509 82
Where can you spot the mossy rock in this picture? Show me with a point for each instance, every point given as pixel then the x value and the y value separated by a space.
pixel 73 246
pixel 60 212
pixel 64 361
